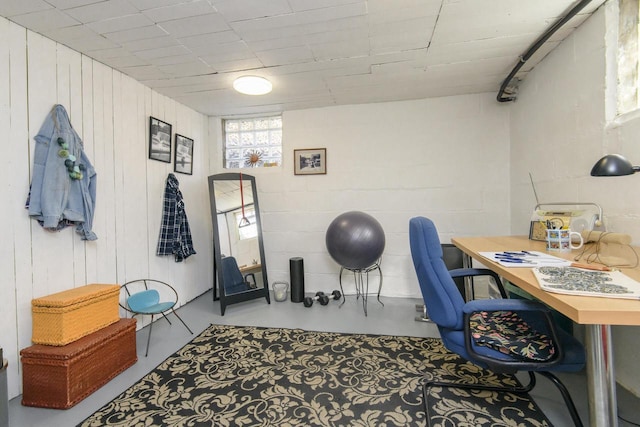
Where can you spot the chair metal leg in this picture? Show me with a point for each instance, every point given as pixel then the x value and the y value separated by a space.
pixel 180 319
pixel 149 337
pixel 566 396
pixel 165 316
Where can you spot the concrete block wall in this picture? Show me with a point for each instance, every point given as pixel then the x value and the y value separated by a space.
pixel 445 158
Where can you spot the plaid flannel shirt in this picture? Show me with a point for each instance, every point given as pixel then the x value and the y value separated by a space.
pixel 175 234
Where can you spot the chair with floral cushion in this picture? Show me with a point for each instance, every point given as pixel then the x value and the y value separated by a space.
pixel 502 335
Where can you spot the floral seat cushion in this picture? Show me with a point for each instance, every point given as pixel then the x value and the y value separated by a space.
pixel 507 332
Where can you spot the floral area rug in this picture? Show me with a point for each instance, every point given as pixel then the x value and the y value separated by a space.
pixel 252 376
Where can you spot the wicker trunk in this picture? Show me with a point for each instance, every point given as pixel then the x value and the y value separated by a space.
pixel 63 317
pixel 61 376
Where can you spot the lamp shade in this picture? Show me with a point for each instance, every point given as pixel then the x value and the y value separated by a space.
pixel 252 85
pixel 613 165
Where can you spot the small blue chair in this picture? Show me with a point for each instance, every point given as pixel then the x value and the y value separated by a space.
pixel 143 297
pixel 470 329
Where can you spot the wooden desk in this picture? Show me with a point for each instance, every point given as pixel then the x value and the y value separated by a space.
pixel 597 314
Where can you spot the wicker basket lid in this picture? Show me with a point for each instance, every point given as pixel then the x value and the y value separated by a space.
pixel 75 296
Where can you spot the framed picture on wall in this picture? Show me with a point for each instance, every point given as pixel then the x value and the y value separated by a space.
pixel 159 140
pixel 310 161
pixel 183 162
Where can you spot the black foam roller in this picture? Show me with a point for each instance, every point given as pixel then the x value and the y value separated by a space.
pixel 296 271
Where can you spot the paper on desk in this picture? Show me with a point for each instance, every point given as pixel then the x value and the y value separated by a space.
pixel 577 281
pixel 525 259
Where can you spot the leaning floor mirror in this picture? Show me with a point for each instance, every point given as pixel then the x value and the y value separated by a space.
pixel 239 268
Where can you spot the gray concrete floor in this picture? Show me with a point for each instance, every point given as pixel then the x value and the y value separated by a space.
pixel 397 317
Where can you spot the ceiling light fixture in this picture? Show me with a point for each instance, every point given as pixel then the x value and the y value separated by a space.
pixel 252 85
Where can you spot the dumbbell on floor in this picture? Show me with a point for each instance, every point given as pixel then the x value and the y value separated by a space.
pixel 322 298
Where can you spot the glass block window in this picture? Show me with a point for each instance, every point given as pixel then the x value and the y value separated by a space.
pixel 252 142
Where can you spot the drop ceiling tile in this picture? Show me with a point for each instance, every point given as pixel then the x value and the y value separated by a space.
pixel 145 72
pixel 178 11
pixel 124 61
pixel 381 11
pixel 45 20
pixel 134 34
pixel 70 33
pixel 103 10
pixel 10 8
pixel 335 50
pixel 111 53
pixel 151 4
pixel 240 10
pixel 90 43
pixel 172 60
pixel 239 65
pixel 266 23
pixel 222 48
pixel 332 13
pixel 301 5
pixel 185 27
pixel 151 43
pixel 68 4
pixel 290 55
pixel 193 68
pixel 225 57
pixel 120 23
pixel 163 52
pixel 194 42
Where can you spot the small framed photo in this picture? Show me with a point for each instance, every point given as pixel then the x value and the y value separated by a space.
pixel 310 161
pixel 184 155
pixel 159 140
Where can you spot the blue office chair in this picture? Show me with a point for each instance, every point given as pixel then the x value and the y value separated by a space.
pixel 502 335
pixel 234 281
pixel 143 297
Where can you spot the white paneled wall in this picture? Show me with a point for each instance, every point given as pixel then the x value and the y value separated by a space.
pixel 446 158
pixel 110 111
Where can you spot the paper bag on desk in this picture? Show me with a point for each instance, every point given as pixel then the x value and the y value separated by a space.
pixel 612 249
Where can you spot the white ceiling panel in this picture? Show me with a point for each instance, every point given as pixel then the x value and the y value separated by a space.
pixel 179 11
pixel 195 25
pixel 120 23
pixel 315 52
pixel 11 8
pixel 242 10
pixel 45 20
pixel 100 11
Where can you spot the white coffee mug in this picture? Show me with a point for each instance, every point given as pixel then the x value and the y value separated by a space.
pixel 561 240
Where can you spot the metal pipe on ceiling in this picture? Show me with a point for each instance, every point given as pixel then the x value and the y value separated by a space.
pixel 538 43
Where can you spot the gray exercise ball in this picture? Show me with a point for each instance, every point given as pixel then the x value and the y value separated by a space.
pixel 355 240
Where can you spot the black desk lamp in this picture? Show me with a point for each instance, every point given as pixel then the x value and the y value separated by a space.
pixel 613 165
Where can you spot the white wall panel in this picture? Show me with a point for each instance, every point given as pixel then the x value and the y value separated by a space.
pixel 110 112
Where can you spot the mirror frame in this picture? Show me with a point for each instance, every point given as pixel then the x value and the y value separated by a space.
pixel 218 277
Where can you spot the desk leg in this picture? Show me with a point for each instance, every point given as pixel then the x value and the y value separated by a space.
pixel 467 262
pixel 601 378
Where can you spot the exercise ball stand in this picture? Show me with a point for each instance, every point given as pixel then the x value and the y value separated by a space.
pixel 361 278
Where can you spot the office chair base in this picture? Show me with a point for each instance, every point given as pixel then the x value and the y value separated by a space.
pixel 516 390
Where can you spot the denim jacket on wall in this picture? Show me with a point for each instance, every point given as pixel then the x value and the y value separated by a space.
pixel 56 198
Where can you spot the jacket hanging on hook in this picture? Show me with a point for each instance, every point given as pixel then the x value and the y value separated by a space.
pixel 175 234
pixel 63 185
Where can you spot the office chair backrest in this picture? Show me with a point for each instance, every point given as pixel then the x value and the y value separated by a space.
pixel 139 301
pixel 231 272
pixel 441 296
